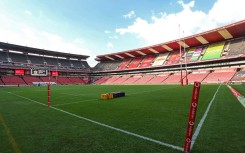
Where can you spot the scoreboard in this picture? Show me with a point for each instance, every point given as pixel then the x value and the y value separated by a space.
pixel 54 73
pixel 39 72
pixel 19 72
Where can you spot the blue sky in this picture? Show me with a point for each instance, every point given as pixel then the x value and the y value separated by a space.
pixel 95 27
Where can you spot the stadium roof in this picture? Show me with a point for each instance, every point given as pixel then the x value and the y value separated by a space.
pixel 230 31
pixel 25 49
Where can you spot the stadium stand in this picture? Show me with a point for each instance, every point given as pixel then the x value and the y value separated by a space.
pixel 132 79
pixel 13 80
pixel 101 80
pixel 213 51
pixel 197 76
pixel 49 79
pixel 64 80
pixel 124 64
pixel 1 82
pixel 135 62
pixel 3 56
pixel 147 61
pixel 121 79
pixel 188 55
pixel 158 79
pixel 36 59
pixel 76 80
pixel 18 57
pixel 30 79
pixel 239 76
pixel 111 80
pixel 236 47
pixel 220 76
pixel 197 53
pixel 174 58
pixel 106 66
pixel 144 80
pixel 160 59
pixel 51 61
pixel 77 64
pixel 64 62
pixel 174 78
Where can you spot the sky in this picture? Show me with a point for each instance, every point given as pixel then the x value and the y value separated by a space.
pixel 97 27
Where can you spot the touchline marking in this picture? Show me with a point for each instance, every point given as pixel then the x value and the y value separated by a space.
pixel 107 126
pixel 199 126
pixel 75 102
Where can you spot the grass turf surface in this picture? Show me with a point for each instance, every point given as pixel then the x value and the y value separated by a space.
pixel 159 112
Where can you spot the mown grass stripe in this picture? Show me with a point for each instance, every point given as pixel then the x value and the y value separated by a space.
pixel 10 136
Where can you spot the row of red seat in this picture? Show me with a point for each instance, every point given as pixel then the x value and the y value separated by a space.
pixel 170 78
pixel 28 80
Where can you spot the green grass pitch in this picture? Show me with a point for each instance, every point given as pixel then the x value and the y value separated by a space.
pixel 159 112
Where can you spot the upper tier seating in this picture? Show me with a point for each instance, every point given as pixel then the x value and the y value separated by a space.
pixel 236 47
pixel 135 62
pixel 174 58
pixel 64 62
pixel 30 79
pixel 196 54
pixel 109 65
pixel 16 57
pixel 147 61
pixel 160 59
pixel 219 76
pixel 189 55
pixel 124 64
pixel 99 66
pixel 51 61
pixel 158 79
pixel 36 59
pixel 144 79
pixel 3 56
pixel 13 80
pixel 78 64
pixel 213 51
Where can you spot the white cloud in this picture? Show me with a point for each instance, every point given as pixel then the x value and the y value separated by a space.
pixel 107 32
pixel 165 28
pixel 129 15
pixel 27 12
pixel 113 37
pixel 227 11
pixel 19 33
pixel 109 45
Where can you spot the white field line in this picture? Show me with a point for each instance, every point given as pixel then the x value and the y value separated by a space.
pixel 75 102
pixel 241 99
pixel 199 126
pixel 105 125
